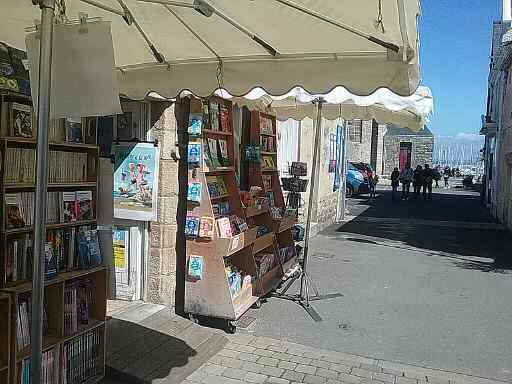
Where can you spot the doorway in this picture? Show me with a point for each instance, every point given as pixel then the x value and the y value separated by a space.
pixel 405 154
pixel 128 250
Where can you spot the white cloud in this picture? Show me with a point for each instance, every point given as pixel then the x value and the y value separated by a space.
pixel 469 136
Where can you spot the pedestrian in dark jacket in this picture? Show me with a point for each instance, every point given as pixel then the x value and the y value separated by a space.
pixel 418 181
pixel 428 179
pixel 395 181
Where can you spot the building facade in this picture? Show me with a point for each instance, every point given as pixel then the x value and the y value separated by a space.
pixel 402 146
pixel 497 123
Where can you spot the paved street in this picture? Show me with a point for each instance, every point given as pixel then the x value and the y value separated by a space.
pixel 424 283
pixel 426 290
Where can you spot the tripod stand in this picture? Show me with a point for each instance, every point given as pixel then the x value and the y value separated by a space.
pixel 303 297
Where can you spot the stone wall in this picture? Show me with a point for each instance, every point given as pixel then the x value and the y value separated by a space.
pixel 422 151
pixel 162 258
pixel 361 152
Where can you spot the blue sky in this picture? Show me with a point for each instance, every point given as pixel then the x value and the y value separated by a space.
pixel 455 48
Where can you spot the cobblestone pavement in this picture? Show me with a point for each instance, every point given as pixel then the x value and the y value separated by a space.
pixel 250 359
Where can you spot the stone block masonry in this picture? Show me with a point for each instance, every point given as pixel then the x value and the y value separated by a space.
pixel 161 273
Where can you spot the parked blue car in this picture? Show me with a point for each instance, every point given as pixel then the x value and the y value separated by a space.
pixel 356 182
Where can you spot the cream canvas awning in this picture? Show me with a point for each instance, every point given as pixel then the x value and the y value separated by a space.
pixel 384 106
pixel 202 45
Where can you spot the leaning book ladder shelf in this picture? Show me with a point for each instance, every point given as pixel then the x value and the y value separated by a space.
pixel 72 171
pixel 265 174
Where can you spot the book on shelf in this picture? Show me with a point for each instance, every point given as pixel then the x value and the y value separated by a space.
pixel 268 162
pixel 267 144
pixel 20 165
pixel 270 197
pixel 194 192
pixel 50 261
pixel 224 227
pixel 192 224
pixel 69 209
pixel 216 186
pixel 225 121
pixel 56 131
pixel 18 258
pixel 23 321
pixel 213 154
pixel 214 115
pixel 267 182
pixel 74 132
pixel 84 205
pixel 89 253
pixel 264 263
pixel 67 167
pixel 13 211
pixel 195 267
pixel 78 300
pixel 266 126
pixel 195 118
pixel 223 152
pixel 90 125
pixel 49 368
pixel 16 120
pixel 194 153
pixel 205 109
pixel 222 208
pixel 206 227
pixel 82 357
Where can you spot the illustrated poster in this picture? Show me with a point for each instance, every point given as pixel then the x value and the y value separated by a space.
pixel 136 168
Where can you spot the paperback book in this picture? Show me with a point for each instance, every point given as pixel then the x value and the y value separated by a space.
pixel 195 118
pixel 21 120
pixel 223 153
pixel 206 227
pixel 89 254
pixel 194 153
pixel 194 192
pixel 224 227
pixel 225 125
pixel 214 115
pixel 214 153
pixel 84 208
pixel 192 226
pixel 13 208
pixel 73 131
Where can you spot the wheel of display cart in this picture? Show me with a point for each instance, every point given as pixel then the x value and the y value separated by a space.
pixel 257 304
pixel 230 327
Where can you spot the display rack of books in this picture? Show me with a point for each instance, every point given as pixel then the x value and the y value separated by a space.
pixel 232 257
pixel 263 173
pixel 75 280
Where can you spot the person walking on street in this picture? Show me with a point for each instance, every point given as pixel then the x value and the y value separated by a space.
pixel 436 174
pixel 427 182
pixel 406 178
pixel 418 181
pixel 373 179
pixel 395 177
pixel 446 175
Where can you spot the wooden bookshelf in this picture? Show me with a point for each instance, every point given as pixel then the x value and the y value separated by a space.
pixel 265 174
pixel 5 336
pixel 74 169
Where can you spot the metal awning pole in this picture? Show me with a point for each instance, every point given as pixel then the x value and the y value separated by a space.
pixel 312 185
pixel 43 118
pixel 342 193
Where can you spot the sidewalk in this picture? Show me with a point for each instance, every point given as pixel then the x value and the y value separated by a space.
pixel 165 348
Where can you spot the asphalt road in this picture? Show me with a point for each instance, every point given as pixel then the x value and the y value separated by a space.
pixel 436 295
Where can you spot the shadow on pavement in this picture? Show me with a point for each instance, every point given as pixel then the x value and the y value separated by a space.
pixel 454 239
pixel 139 355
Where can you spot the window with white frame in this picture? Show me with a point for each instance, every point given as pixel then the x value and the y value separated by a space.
pixel 355 130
